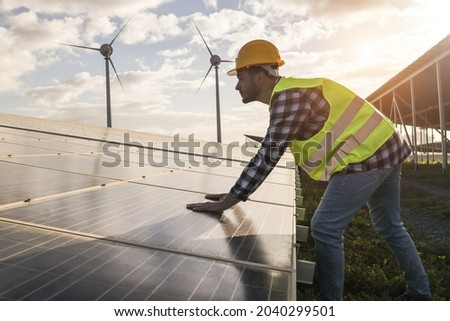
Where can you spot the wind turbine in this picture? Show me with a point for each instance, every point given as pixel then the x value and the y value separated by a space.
pixel 106 50
pixel 215 61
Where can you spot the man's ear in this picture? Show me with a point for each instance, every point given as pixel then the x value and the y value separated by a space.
pixel 260 76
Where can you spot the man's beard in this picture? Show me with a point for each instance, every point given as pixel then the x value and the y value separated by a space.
pixel 250 96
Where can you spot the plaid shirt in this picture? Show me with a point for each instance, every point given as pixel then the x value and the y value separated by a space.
pixel 299 114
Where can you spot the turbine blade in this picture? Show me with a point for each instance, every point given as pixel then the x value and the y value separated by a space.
pixel 203 39
pixel 83 47
pixel 119 32
pixel 221 60
pixel 120 82
pixel 203 80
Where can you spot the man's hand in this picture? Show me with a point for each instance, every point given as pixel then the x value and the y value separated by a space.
pixel 210 207
pixel 223 202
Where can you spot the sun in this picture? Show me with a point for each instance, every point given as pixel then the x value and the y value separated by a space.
pixel 435 16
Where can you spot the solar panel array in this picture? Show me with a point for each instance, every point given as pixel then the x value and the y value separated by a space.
pixel 93 213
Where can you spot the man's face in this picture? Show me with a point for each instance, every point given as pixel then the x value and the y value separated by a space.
pixel 247 86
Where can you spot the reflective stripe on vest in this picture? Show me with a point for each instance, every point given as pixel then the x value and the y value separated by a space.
pixel 353 131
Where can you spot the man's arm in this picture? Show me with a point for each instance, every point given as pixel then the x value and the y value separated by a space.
pixel 287 114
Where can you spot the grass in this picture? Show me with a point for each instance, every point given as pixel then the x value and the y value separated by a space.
pixel 372 273
pixel 429 176
pixel 428 204
pixel 428 173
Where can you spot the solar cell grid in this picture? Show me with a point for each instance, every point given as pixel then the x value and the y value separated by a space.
pixel 72 229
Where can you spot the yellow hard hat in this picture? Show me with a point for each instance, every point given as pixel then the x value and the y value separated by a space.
pixel 257 52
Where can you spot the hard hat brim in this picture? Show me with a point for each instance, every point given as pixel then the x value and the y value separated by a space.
pixel 232 72
pixel 272 71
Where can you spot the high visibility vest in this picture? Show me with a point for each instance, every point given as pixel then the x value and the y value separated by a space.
pixel 353 131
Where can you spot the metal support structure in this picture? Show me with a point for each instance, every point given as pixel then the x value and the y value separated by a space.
pixel 219 129
pixel 397 112
pixel 414 126
pixel 108 95
pixel 381 105
pixel 304 269
pixel 432 141
pixel 426 138
pixel 442 118
pixel 423 87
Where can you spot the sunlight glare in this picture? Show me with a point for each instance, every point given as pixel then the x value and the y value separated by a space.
pixel 435 14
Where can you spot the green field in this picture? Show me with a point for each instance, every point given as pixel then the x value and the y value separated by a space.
pixel 372 272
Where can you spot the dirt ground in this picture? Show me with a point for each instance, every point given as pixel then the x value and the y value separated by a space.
pixel 431 227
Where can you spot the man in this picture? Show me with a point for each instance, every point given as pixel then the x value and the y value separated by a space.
pixel 334 136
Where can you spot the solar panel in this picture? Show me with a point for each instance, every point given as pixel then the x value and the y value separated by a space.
pixel 72 228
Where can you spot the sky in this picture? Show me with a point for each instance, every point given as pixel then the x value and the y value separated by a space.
pixel 161 60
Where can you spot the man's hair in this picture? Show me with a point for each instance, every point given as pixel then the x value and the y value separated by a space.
pixel 269 70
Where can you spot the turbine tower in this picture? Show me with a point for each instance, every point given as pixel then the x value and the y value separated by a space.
pixel 106 50
pixel 215 61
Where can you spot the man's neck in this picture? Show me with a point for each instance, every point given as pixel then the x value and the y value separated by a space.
pixel 268 89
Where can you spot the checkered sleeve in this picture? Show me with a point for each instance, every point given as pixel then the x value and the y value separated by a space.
pixel 289 111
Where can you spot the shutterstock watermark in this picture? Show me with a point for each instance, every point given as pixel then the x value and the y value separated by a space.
pixel 192 153
pixel 182 153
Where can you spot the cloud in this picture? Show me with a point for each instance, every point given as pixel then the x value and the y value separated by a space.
pixel 11 70
pixel 29 43
pixel 97 27
pixel 174 53
pixel 161 58
pixel 94 8
pixel 210 4
pixel 32 35
pixel 325 8
pixel 66 91
pixel 151 28
pixel 338 8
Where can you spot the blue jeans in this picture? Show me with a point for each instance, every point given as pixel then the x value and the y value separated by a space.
pixel 344 196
